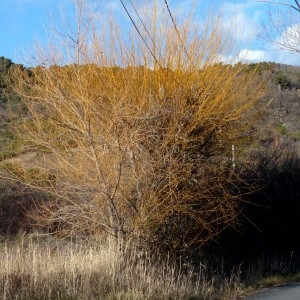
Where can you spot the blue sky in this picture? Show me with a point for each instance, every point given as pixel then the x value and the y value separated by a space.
pixel 23 22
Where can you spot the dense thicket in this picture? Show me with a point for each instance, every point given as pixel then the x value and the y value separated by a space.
pixel 137 141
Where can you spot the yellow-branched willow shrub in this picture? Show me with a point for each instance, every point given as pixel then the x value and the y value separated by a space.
pixel 140 143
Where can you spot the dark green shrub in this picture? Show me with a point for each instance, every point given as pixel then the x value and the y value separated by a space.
pixel 283 80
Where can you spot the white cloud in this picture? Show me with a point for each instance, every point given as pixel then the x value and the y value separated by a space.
pixel 254 56
pixel 283 57
pixel 241 18
pixel 290 38
pixel 249 55
pixel 112 5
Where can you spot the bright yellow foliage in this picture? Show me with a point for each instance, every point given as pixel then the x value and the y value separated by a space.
pixel 137 141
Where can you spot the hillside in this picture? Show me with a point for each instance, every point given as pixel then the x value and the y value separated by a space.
pixel 277 128
pixel 280 108
pixel 279 124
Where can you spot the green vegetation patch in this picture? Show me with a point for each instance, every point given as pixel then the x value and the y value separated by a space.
pixel 281 128
pixel 295 134
pixel 32 176
pixel 283 80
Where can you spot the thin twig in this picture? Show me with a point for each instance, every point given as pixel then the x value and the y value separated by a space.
pixel 282 3
pixel 138 31
pixel 176 29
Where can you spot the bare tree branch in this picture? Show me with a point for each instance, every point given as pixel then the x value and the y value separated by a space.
pixel 282 3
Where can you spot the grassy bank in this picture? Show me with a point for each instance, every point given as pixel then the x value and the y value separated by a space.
pixel 41 268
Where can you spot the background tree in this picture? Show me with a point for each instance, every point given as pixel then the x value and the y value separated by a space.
pixel 283 80
pixel 5 64
pixel 137 142
pixel 283 29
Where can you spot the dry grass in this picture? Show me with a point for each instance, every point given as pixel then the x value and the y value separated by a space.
pixel 38 268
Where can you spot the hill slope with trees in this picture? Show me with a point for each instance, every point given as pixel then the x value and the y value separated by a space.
pixel 276 131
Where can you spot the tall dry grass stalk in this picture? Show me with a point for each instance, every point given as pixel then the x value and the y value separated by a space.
pixel 38 268
pixel 138 130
